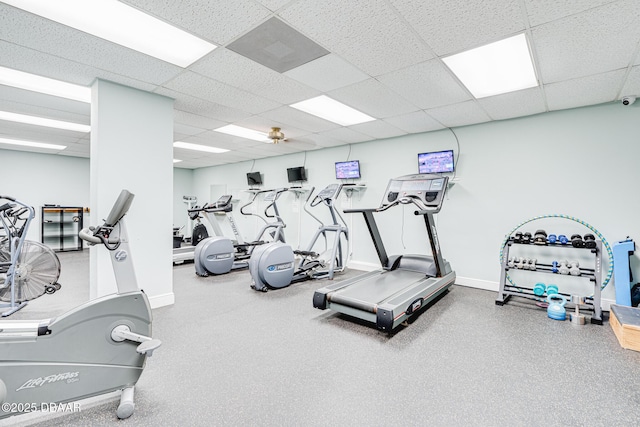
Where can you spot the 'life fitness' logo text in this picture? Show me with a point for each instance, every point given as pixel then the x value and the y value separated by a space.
pixel 69 377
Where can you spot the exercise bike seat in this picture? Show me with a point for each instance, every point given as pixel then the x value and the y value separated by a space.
pixel 147 347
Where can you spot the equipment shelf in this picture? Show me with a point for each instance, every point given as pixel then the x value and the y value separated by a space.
pixel 508 289
pixel 60 226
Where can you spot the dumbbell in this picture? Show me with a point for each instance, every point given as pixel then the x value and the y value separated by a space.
pixel 554 267
pixel 552 239
pixel 589 241
pixel 532 264
pixel 521 263
pixel 552 289
pixel 518 237
pixel 526 238
pixel 564 267
pixel 576 241
pixel 563 239
pixel 573 268
pixel 540 237
pixel 511 262
pixel 539 289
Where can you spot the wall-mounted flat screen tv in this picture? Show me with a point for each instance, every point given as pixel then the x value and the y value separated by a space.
pixel 254 178
pixel 348 170
pixel 296 174
pixel 435 162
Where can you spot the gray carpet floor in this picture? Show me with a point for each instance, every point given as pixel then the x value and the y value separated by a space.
pixel 232 356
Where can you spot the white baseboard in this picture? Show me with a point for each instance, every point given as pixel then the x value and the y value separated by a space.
pixel 162 300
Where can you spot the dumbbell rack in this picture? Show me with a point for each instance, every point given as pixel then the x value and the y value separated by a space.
pixel 507 290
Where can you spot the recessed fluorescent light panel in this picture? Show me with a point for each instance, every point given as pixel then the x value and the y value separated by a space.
pixel 329 109
pixel 41 121
pixel 244 133
pixel 32 144
pixel 198 147
pixel 176 160
pixel 496 68
pixel 122 24
pixel 22 80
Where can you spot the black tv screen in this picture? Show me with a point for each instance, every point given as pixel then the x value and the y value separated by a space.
pixel 435 162
pixel 254 178
pixel 348 170
pixel 296 174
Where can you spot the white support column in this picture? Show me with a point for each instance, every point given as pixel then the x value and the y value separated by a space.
pixel 132 148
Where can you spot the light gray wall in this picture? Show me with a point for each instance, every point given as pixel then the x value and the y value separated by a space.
pixel 36 179
pixel 580 162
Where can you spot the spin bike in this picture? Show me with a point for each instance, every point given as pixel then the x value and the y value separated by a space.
pixel 28 269
pixel 98 347
pixel 219 254
pixel 273 266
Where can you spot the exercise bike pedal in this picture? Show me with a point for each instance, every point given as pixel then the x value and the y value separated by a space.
pixel 147 348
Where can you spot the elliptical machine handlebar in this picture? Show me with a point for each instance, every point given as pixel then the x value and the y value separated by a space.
pixel 250 202
pixel 276 194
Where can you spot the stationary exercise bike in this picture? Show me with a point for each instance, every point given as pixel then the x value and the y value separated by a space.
pixel 273 266
pixel 28 269
pixel 97 347
pixel 219 254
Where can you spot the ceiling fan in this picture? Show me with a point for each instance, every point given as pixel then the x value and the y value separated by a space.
pixel 276 135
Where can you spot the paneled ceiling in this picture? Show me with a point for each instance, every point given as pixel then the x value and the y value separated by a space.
pixel 384 59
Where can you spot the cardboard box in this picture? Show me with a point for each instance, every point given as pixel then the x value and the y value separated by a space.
pixel 625 322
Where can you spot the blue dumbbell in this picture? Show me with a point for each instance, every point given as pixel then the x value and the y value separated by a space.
pixel 563 239
pixel 554 267
pixel 552 289
pixel 539 289
pixel 552 239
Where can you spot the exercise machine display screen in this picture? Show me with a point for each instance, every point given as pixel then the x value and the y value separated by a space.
pixel 428 188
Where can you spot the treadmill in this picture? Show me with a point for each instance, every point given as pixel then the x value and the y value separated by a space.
pixel 406 283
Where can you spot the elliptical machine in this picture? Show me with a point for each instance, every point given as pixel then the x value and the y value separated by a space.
pixel 273 266
pixel 219 255
pixel 95 348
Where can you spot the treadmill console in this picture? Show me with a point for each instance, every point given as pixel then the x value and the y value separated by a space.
pixel 428 188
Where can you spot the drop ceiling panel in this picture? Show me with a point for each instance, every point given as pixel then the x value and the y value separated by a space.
pixel 415 122
pixel 179 128
pixel 198 86
pixel 301 120
pixel 216 21
pixel 346 135
pixel 367 33
pixel 320 141
pixel 373 98
pixel 378 129
pixel 427 85
pixel 273 4
pixel 515 104
pixel 33 61
pixel 542 11
pixel 235 70
pixel 195 120
pixel 589 90
pixel 464 113
pixel 327 73
pixel 34 101
pixel 203 108
pixel 455 25
pixel 40 111
pixel 65 42
pixel 566 48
